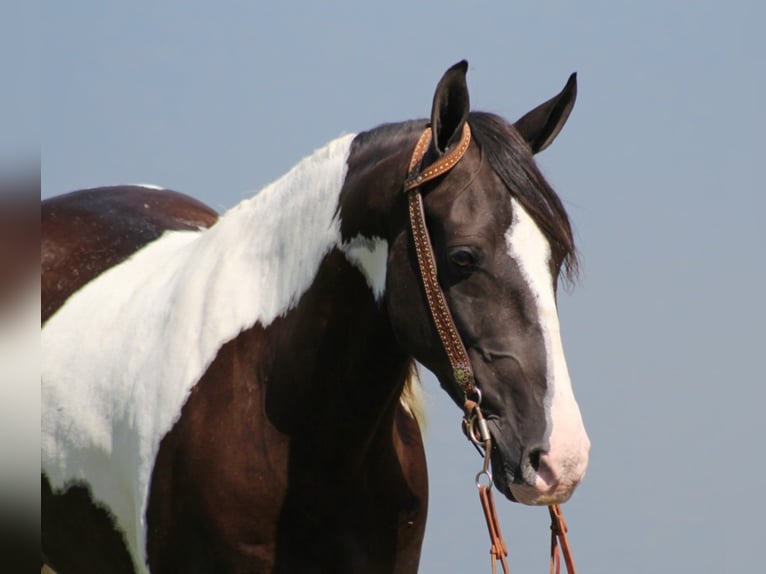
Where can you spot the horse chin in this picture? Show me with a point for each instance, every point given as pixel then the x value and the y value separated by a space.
pixel 532 497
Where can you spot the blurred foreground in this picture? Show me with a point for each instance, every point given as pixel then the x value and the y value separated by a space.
pixel 19 369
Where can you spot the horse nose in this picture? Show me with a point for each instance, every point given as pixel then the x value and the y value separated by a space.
pixel 548 476
pixel 560 471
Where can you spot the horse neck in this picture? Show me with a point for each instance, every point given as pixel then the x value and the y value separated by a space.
pixel 335 368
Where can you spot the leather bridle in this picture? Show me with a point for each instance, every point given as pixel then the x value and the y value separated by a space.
pixel 474 424
pixel 462 372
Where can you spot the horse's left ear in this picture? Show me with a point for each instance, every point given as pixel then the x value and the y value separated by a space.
pixel 541 126
pixel 450 108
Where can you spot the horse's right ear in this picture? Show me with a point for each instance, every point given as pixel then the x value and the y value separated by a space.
pixel 541 126
pixel 450 107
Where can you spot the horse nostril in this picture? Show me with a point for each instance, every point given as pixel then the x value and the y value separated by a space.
pixel 534 459
pixel 530 465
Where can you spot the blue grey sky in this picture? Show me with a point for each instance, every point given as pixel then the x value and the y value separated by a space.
pixel 660 167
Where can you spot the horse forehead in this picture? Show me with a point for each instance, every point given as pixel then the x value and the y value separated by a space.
pixel 476 199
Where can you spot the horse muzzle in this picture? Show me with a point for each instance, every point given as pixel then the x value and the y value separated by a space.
pixel 542 477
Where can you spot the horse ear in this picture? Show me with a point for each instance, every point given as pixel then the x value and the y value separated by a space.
pixel 541 126
pixel 450 107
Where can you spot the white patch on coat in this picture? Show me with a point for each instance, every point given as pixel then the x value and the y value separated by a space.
pixel 563 466
pixel 121 355
pixel 370 256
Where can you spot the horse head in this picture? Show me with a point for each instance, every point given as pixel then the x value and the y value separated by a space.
pixel 500 240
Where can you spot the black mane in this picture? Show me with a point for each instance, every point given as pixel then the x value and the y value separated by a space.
pixel 388 136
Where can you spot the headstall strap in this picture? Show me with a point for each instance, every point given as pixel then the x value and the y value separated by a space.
pixel 474 424
pixel 445 326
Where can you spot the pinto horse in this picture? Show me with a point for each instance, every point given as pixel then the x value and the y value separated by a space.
pixel 235 394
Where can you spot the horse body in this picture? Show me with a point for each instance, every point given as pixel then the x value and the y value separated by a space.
pixel 229 399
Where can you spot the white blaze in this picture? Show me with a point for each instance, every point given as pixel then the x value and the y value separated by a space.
pixel 563 466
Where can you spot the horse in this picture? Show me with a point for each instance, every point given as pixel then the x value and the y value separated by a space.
pixel 236 393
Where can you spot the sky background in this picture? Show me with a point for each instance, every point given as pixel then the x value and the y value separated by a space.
pixel 660 167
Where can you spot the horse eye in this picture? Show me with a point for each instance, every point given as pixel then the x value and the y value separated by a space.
pixel 462 259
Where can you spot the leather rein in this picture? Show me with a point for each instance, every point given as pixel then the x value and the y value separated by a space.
pixel 474 424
